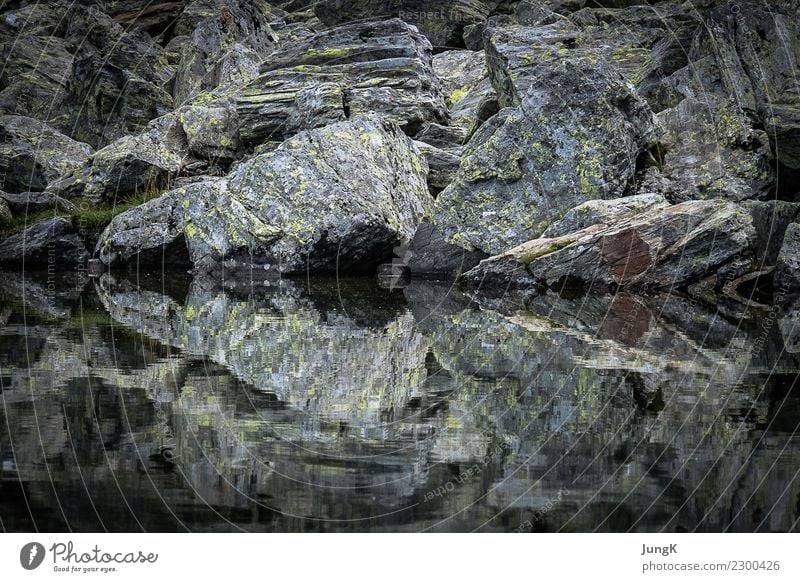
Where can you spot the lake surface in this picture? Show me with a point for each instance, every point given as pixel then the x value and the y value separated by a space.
pixel 330 405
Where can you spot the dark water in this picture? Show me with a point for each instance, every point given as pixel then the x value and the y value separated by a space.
pixel 342 406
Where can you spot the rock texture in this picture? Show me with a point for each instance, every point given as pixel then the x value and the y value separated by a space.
pixel 52 242
pixel 661 248
pixel 336 199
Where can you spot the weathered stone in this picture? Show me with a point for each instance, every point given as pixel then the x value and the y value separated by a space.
pixel 34 76
pixel 33 154
pixel 212 133
pixel 24 203
pixel 442 166
pixel 381 67
pixel 5 212
pixel 710 153
pixel 604 212
pixel 663 248
pixel 224 46
pixel 442 22
pixel 131 164
pixel 787 272
pixel 335 199
pixel 575 137
pixel 467 87
pixel 433 256
pixel 49 242
pixel 107 103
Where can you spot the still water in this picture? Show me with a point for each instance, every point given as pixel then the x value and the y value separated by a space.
pixel 330 405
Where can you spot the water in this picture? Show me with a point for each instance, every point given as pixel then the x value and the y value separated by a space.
pixel 331 405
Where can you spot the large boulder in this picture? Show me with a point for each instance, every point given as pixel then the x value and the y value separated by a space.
pixel 604 212
pixel 50 243
pixel 33 154
pixel 442 22
pixel 662 248
pixel 382 67
pixel 335 199
pixel 576 136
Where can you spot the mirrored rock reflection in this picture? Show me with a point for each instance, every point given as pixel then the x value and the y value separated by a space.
pixel 330 405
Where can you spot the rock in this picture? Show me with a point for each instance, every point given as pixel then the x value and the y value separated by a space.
pixel 460 71
pixel 34 76
pixel 771 219
pixel 91 33
pixel 710 153
pixel 107 103
pixel 575 137
pixel 5 212
pixel 131 164
pixel 151 233
pixel 382 67
pixel 604 212
pixel 33 154
pixel 469 93
pixel 755 48
pixel 787 272
pixel 442 166
pixel 433 257
pixel 51 242
pixel 662 248
pixel 224 46
pixel 25 203
pixel 212 133
pixel 442 22
pixel 335 199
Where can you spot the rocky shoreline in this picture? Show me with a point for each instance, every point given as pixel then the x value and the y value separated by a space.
pixel 517 145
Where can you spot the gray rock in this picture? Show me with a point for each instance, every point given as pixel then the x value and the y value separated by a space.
pixel 575 137
pixel 336 199
pixel 710 153
pixel 5 212
pixel 442 22
pixel 225 45
pixel 34 76
pixel 106 103
pixel 212 133
pixel 33 154
pixel 24 203
pixel 442 166
pixel 663 248
pixel 381 67
pixel 787 272
pixel 431 255
pixel 604 212
pixel 131 164
pixel 468 90
pixel 52 242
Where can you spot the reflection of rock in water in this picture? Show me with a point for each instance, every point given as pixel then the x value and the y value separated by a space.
pixel 303 407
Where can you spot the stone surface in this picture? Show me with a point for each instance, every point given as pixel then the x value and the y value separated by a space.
pixel 604 212
pixel 443 22
pixel 576 136
pixel 662 248
pixel 33 154
pixel 787 272
pixel 382 67
pixel 49 242
pixel 336 199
